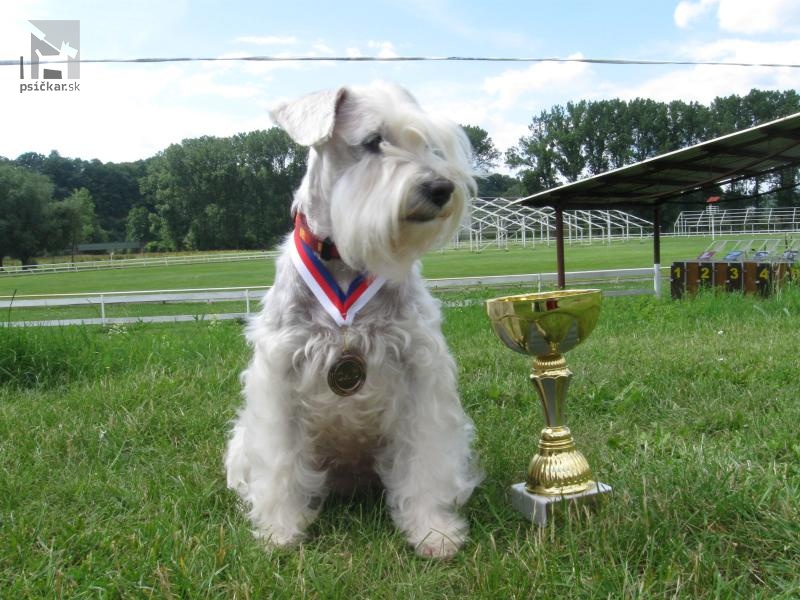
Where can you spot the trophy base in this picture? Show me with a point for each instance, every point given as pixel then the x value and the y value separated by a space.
pixel 538 508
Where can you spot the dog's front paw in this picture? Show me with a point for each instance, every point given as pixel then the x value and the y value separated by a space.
pixel 441 537
pixel 282 526
pixel 439 545
pixel 279 537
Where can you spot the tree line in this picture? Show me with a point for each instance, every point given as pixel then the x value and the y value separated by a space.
pixel 202 194
pixel 234 193
pixel 585 138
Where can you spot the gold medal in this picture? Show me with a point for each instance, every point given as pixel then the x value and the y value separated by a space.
pixel 347 374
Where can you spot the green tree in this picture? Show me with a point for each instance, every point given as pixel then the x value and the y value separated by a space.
pixel 647 120
pixel 484 154
pixel 71 221
pixel 534 155
pixel 115 190
pixel 32 161
pixel 224 192
pixel 619 135
pixel 585 138
pixel 566 132
pixel 114 187
pixel 66 174
pixel 138 225
pixel 497 185
pixel 596 123
pixel 24 196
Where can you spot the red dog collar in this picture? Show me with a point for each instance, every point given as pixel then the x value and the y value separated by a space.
pixel 325 248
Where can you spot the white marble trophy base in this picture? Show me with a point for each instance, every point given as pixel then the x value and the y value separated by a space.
pixel 537 507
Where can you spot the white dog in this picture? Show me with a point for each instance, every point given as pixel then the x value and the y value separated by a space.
pixel 350 373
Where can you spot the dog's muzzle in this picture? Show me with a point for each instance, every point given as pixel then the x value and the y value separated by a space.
pixel 432 196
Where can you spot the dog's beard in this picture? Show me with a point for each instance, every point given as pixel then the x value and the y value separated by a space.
pixel 382 222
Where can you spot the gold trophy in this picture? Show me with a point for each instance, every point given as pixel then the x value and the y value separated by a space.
pixel 545 325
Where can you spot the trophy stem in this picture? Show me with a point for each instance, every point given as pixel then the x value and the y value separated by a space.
pixel 558 468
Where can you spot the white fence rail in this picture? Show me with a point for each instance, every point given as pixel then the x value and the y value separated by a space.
pixel 249 295
pixel 123 263
pixel 714 220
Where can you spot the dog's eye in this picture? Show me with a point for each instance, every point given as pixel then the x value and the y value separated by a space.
pixel 438 152
pixel 372 143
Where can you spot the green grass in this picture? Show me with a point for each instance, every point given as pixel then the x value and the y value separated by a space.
pixel 204 275
pixel 111 483
pixel 449 263
pixel 196 309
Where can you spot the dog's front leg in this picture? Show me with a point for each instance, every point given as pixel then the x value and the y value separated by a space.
pixel 268 464
pixel 427 467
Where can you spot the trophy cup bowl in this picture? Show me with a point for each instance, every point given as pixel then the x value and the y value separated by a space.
pixel 546 325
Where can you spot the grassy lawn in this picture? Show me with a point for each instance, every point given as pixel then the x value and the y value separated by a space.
pixel 448 263
pixel 111 482
pixel 229 274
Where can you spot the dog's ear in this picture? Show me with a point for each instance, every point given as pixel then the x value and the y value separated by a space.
pixel 310 120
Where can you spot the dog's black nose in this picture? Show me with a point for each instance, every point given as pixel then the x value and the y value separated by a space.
pixel 439 191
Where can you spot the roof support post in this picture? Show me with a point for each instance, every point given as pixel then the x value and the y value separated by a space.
pixel 657 250
pixel 562 282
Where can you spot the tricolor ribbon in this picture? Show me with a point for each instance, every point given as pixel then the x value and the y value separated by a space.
pixel 342 306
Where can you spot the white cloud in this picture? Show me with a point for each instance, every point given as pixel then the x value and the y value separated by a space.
pixel 14 32
pixel 703 83
pixel 688 12
pixel 765 16
pixel 126 112
pixel 385 49
pixel 250 68
pixel 506 133
pixel 464 109
pixel 206 83
pixel 700 84
pixel 745 51
pixel 267 40
pixel 129 112
pixel 508 87
pixel 742 16
pixel 379 49
pixel 322 48
pixel 467 106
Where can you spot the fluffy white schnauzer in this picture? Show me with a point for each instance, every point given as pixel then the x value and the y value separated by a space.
pixel 351 375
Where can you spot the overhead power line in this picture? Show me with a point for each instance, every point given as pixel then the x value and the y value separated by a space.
pixel 602 61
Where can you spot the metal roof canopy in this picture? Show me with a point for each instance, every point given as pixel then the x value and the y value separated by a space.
pixel 760 150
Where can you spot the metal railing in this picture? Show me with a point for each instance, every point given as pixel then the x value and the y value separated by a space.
pixel 719 221
pixel 123 263
pixel 500 222
pixel 100 301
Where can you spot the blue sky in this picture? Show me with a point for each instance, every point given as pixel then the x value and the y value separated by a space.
pixel 130 111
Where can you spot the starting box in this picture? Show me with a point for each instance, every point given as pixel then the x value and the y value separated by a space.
pixel 755 272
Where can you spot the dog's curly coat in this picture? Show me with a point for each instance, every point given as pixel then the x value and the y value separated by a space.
pixel 385 182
